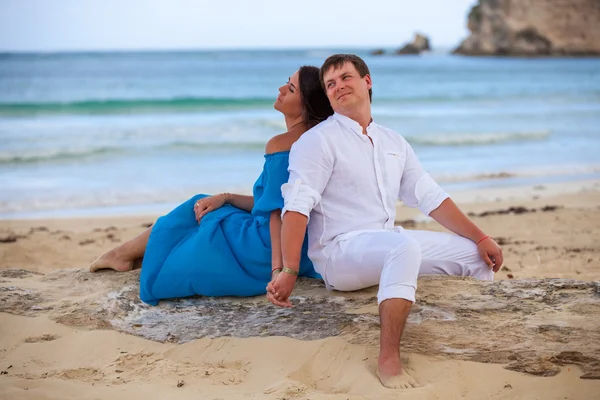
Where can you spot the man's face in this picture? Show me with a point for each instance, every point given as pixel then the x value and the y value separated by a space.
pixel 346 90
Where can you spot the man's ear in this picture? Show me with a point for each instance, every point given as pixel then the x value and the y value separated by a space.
pixel 369 82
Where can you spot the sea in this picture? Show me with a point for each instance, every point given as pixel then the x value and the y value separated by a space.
pixel 105 133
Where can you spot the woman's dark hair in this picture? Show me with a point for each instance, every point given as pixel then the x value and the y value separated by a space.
pixel 315 105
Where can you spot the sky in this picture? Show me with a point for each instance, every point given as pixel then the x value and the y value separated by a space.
pixel 71 25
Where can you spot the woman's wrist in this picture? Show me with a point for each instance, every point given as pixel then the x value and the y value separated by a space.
pixel 226 198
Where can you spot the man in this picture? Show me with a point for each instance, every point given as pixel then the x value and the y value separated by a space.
pixel 346 175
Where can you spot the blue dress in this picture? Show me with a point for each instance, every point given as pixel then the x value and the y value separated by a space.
pixel 228 254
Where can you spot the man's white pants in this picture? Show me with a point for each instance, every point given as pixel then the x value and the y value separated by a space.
pixel 394 258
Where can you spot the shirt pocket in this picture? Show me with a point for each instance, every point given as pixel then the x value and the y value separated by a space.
pixel 394 165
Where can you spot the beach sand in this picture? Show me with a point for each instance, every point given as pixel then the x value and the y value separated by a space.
pixel 41 358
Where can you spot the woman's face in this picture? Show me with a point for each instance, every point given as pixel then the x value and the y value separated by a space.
pixel 289 101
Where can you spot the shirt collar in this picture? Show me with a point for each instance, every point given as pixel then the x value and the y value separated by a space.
pixel 352 124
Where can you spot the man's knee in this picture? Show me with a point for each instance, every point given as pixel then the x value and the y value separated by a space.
pixel 406 254
pixel 400 271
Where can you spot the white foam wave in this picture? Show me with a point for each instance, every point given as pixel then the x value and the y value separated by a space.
pixel 541 171
pixel 471 139
pixel 95 202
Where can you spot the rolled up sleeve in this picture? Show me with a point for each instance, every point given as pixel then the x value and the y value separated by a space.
pixel 417 187
pixel 310 166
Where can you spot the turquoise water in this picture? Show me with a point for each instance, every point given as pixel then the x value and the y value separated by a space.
pixel 135 132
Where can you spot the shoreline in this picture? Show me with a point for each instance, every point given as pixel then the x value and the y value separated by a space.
pixel 495 190
pixel 547 241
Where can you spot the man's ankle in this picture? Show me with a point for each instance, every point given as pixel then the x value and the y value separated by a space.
pixel 389 357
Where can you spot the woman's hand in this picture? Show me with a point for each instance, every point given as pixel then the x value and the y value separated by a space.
pixel 208 204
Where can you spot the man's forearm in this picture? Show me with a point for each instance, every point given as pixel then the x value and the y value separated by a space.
pixel 292 237
pixel 452 218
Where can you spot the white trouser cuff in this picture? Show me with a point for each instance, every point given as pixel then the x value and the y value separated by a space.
pixel 398 291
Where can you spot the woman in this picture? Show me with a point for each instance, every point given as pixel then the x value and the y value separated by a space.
pixel 227 244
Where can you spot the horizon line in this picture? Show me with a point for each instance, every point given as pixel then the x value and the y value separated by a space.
pixel 213 49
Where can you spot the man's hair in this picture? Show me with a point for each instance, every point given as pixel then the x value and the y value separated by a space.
pixel 338 60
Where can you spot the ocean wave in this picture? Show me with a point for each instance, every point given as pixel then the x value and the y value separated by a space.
pixel 537 172
pixel 474 139
pixel 62 154
pixel 57 155
pixel 131 106
pixel 384 106
pixel 186 145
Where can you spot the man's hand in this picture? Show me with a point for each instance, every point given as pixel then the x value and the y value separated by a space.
pixel 491 253
pixel 208 204
pixel 280 288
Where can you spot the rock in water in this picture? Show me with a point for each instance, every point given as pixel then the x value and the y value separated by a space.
pixel 419 44
pixel 533 28
pixel 532 326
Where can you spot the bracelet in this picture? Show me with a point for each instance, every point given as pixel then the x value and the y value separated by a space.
pixel 289 271
pixel 482 239
pixel 275 269
pixel 227 198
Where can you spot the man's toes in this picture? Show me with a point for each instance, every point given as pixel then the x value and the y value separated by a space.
pixel 402 381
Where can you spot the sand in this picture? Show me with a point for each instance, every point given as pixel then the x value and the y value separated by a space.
pixel 43 359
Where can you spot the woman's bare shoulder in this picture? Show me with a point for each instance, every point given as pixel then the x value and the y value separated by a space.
pixel 281 142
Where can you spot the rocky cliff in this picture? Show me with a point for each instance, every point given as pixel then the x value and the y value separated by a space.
pixel 533 28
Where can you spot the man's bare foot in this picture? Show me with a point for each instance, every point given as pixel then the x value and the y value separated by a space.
pixel 392 376
pixel 111 260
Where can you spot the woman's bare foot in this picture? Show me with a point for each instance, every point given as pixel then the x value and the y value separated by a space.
pixel 392 376
pixel 111 260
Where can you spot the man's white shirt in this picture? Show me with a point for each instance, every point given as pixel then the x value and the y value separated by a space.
pixel 347 185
